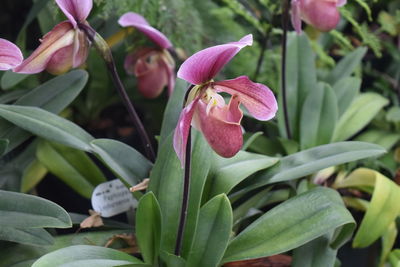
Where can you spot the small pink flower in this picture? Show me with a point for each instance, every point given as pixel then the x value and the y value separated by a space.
pixel 65 46
pixel 10 55
pixel 321 14
pixel 153 67
pixel 207 111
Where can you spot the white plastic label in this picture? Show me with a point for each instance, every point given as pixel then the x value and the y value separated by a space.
pixel 112 198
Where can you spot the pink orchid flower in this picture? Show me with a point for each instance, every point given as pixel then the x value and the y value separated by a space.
pixel 65 46
pixel 10 55
pixel 321 14
pixel 207 111
pixel 153 67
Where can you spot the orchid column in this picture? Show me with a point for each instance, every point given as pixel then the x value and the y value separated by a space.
pixel 206 110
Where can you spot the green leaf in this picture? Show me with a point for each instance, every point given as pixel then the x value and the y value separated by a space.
pixel 383 138
pixel 166 182
pixel 346 90
pixel 173 109
pixel 26 211
pixel 28 236
pixel 228 172
pixel 72 166
pixel 3 146
pixel 383 208
pixel 148 227
pixel 32 175
pixel 299 80
pixel 347 65
pixel 363 109
pixel 47 125
pixel 90 256
pixel 212 233
pixel 394 258
pixel 127 163
pixel 318 117
pixel 315 159
pixel 315 253
pixel 54 96
pixel 292 224
pixel 172 260
pixel 11 96
pixel 10 79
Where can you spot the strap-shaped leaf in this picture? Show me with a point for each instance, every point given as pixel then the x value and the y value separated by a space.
pixel 228 172
pixel 90 256
pixel 47 125
pixel 383 208
pixel 361 111
pixel 72 166
pixel 54 96
pixel 292 224
pixel 123 160
pixel 346 90
pixel 26 211
pixel 148 227
pixel 212 233
pixel 28 236
pixel 315 159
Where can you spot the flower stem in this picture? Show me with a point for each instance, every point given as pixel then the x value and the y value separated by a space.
pixel 285 21
pixel 105 51
pixel 185 198
pixel 186 186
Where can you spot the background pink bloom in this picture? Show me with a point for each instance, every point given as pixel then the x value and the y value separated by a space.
pixel 153 67
pixel 10 55
pixel 65 46
pixel 207 111
pixel 321 14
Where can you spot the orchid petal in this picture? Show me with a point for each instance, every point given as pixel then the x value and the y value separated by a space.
pixel 205 64
pixel 81 48
pixel 182 130
pixel 61 36
pixel 140 23
pixel 295 16
pixel 169 67
pixel 10 55
pixel 341 3
pixel 221 126
pixel 75 10
pixel 257 98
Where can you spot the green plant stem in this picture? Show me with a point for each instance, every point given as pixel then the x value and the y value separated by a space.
pixel 106 54
pixel 285 22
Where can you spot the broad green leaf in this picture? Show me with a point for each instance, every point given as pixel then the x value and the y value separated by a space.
pixel 388 241
pixel 346 90
pixel 32 175
pixel 123 160
pixel 166 182
pixel 251 137
pixel 28 236
pixel 315 253
pixel 47 125
pixel 200 167
pixel 393 114
pixel 88 256
pixel 148 227
pixel 292 224
pixel 212 233
pixel 54 96
pixel 19 210
pixel 318 117
pixel 361 111
pixel 14 254
pixel 3 146
pixel 347 65
pixel 172 260
pixel 383 208
pixel 10 79
pixel 228 172
pixel 11 96
pixel 315 159
pixel 173 109
pixel 72 166
pixel 385 139
pixel 394 258
pixel 299 80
